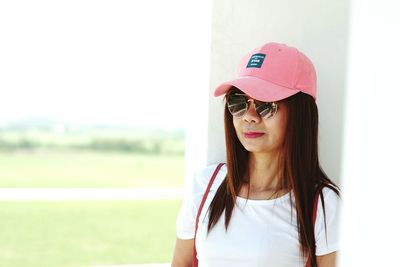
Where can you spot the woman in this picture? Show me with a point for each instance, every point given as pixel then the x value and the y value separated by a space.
pixel 259 209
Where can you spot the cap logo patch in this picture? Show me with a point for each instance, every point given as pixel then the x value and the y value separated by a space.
pixel 256 61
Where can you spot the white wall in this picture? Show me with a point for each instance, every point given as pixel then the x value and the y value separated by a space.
pixel 194 104
pixel 358 99
pixel 318 28
pixel 370 175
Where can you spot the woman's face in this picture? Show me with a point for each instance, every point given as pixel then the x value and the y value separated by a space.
pixel 260 135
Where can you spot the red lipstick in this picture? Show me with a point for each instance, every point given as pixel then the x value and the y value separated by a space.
pixel 252 134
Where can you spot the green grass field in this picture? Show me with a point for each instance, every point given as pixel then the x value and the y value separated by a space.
pixel 90 169
pixel 75 233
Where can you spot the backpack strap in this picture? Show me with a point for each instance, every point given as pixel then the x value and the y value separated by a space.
pixel 195 261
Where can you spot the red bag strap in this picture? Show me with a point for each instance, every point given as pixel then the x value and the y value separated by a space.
pixel 195 261
pixel 308 264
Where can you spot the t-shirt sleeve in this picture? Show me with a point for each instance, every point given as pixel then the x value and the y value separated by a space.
pixel 327 239
pixel 186 220
pixel 185 223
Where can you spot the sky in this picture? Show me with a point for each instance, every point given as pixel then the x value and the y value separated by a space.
pixel 136 63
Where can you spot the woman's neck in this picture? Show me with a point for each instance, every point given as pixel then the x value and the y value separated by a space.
pixel 263 172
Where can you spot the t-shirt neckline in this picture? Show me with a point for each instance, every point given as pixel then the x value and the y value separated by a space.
pixel 243 200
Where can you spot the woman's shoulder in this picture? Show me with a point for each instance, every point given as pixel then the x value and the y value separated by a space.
pixel 329 194
pixel 331 204
pixel 327 222
pixel 203 175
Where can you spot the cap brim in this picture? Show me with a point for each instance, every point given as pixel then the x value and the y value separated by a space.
pixel 257 88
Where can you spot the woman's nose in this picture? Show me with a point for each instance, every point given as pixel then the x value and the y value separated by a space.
pixel 251 114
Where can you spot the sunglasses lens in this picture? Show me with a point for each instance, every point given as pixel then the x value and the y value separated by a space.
pixel 237 105
pixel 266 110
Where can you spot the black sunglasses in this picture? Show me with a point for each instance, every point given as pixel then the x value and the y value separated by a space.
pixel 238 105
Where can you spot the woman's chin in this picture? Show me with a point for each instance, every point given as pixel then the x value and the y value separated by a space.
pixel 258 149
pixel 253 149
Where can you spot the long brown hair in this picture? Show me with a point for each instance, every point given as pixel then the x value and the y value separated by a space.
pixel 301 171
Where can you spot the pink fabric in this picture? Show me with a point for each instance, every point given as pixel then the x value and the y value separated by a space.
pixel 283 72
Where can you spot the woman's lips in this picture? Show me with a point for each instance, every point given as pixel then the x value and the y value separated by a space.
pixel 252 134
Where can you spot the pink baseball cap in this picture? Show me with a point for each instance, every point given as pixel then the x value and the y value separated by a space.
pixel 273 72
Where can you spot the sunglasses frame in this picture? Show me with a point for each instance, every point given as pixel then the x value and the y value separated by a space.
pixel 257 105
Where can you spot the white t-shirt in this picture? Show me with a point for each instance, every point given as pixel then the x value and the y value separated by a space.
pixel 260 233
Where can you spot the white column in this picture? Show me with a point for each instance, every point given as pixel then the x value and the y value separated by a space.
pixel 371 179
pixel 318 28
pixel 194 97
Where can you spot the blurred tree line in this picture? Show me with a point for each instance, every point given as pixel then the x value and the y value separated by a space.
pixel 148 146
pixel 94 138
